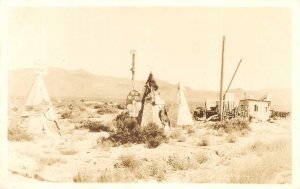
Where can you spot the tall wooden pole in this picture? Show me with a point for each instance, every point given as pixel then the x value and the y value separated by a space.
pixel 133 67
pixel 232 78
pixel 221 82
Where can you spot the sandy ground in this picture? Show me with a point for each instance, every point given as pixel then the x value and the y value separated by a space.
pixel 46 159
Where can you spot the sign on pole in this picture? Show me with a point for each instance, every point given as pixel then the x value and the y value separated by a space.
pixel 40 69
pixel 133 103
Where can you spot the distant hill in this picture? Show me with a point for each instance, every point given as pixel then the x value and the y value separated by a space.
pixel 79 83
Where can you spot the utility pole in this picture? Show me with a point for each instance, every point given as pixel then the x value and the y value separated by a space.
pixel 221 82
pixel 133 67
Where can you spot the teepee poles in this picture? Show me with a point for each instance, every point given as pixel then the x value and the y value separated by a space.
pixel 221 82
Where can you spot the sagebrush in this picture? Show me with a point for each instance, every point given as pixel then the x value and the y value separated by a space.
pixel 94 126
pixel 129 161
pixel 129 131
pixel 106 109
pixel 17 134
pixel 180 163
pixel 232 125
pixel 203 142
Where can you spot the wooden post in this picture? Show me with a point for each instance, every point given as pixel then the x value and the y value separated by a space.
pixel 232 78
pixel 133 67
pixel 221 82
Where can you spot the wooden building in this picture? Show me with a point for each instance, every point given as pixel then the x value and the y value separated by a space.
pixel 257 110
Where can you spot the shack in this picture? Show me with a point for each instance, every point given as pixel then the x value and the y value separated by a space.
pixel 257 110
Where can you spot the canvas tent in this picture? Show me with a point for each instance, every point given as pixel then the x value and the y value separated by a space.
pixel 38 114
pixel 184 115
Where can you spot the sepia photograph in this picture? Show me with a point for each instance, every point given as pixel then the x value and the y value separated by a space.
pixel 148 94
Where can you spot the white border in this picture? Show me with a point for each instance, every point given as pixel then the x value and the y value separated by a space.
pixel 3 95
pixel 150 3
pixel 293 4
pixel 296 92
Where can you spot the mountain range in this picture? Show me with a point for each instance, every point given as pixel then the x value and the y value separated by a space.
pixel 63 83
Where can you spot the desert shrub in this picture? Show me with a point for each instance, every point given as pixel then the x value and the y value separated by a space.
pixel 94 126
pixel 121 106
pixel 106 109
pixel 38 177
pixel 82 176
pixel 17 134
pixel 129 161
pixel 142 172
pixel 122 116
pixel 157 170
pixel 203 142
pixel 190 130
pixel 97 106
pixel 66 115
pixel 128 131
pixel 180 163
pixel 103 144
pixel 154 168
pixel 73 110
pixel 231 138
pixel 153 135
pixel 201 157
pixel 110 176
pixel 232 125
pixel 153 143
pixel 73 106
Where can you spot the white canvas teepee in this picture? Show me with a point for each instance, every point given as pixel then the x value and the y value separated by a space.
pixel 184 114
pixel 38 114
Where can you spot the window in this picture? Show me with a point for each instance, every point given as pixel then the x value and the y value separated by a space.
pixel 255 108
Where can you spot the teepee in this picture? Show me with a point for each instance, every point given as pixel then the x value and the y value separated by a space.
pixel 38 114
pixel 153 106
pixel 184 115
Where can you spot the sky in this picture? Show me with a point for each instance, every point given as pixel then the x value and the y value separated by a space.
pixel 177 44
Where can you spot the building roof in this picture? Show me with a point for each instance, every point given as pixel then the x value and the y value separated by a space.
pixel 255 100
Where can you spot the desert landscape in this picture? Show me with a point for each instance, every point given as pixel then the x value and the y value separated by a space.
pixel 235 151
pixel 149 95
pixel 260 153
